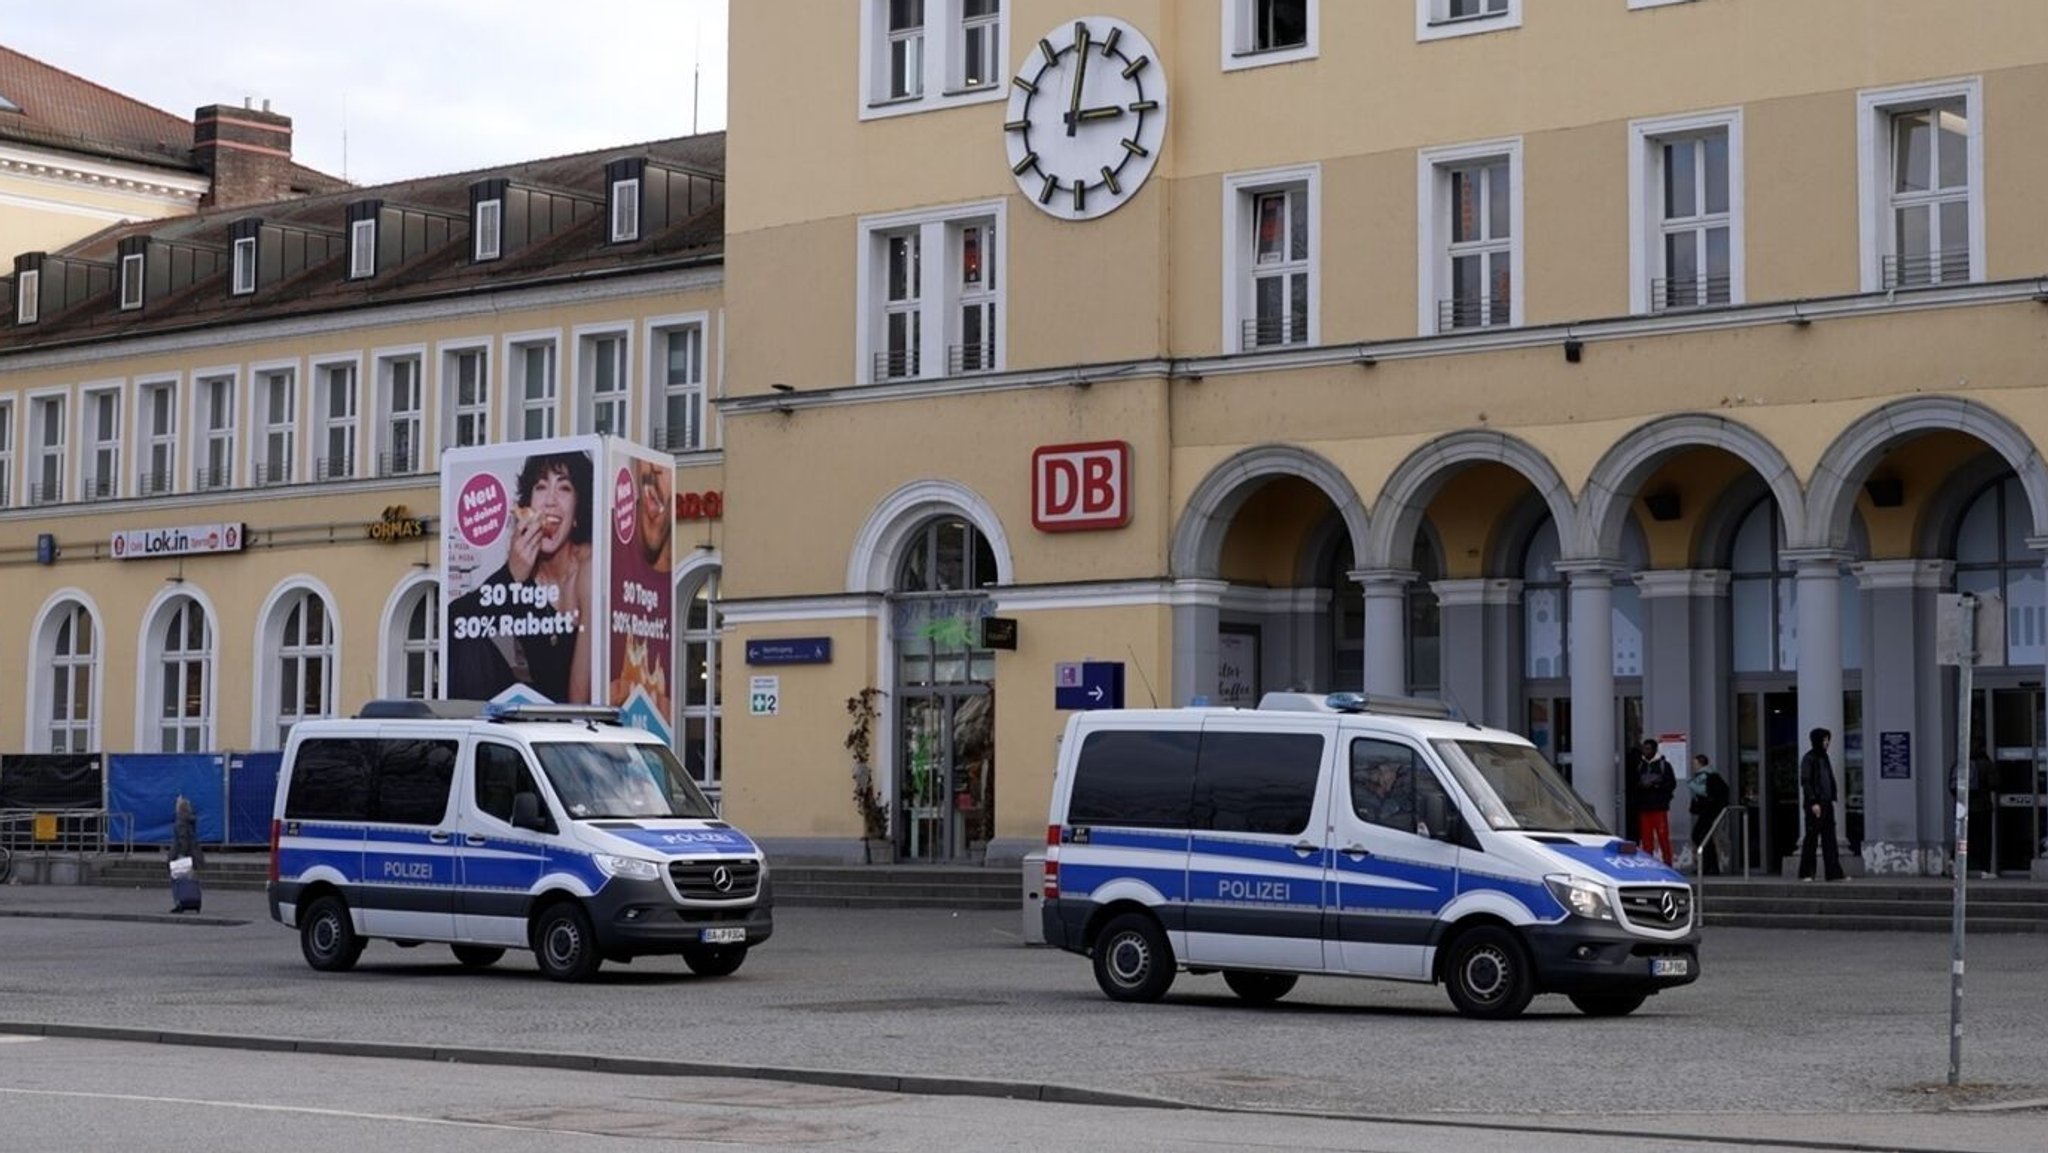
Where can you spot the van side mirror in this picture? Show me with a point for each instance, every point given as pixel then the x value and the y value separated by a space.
pixel 1441 818
pixel 526 813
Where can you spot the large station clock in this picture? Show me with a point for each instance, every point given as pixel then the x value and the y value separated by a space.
pixel 1087 118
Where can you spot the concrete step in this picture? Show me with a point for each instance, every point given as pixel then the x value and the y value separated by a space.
pixel 1850 922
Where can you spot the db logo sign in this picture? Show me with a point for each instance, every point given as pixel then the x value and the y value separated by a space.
pixel 1081 486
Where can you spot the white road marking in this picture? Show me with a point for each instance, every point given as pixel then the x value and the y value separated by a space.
pixel 16 1038
pixel 258 1108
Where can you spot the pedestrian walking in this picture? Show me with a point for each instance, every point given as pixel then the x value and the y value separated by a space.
pixel 1817 789
pixel 185 858
pixel 1655 783
pixel 1709 801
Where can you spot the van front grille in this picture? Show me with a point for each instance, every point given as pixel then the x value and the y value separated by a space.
pixel 1657 907
pixel 716 880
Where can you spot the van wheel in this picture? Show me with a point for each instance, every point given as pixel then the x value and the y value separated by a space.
pixel 1488 974
pixel 1133 962
pixel 564 945
pixel 1259 988
pixel 477 956
pixel 1608 1004
pixel 328 938
pixel 715 960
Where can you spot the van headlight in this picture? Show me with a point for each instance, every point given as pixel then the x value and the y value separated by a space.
pixel 631 868
pixel 1582 897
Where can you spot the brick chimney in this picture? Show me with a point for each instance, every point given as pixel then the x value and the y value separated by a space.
pixel 247 152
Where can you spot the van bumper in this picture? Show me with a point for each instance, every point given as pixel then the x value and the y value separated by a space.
pixel 1577 956
pixel 640 919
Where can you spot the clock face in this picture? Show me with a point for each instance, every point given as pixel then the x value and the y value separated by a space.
pixel 1087 118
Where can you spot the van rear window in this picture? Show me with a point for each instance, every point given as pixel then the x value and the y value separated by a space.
pixel 1134 779
pixel 393 782
pixel 1257 782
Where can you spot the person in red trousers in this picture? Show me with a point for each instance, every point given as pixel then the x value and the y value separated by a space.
pixel 1655 782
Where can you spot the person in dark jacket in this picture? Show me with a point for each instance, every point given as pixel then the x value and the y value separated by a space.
pixel 185 843
pixel 1709 801
pixel 1817 791
pixel 1655 782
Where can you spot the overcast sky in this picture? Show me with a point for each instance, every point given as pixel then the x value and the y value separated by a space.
pixel 421 86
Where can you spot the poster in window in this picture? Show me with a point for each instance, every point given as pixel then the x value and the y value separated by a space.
pixel 1237 666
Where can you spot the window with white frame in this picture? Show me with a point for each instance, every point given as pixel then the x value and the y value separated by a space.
pixel 980 45
pixel 1685 212
pixel 468 402
pixel 1438 19
pixel 28 296
pixel 71 660
pixel 931 294
pixel 278 416
pixel 6 453
pixel 1260 32
pixel 131 281
pixel 1271 232
pixel 918 55
pixel 340 418
pixel 158 414
pixel 533 367
pixel 103 444
pixel 398 386
pixel 906 49
pixel 244 266
pixel 490 229
pixel 602 405
pixel 625 210
pixel 362 248
pixel 418 643
pixel 304 656
pixel 1470 232
pixel 1922 174
pixel 217 420
pixel 682 389
pixel 181 692
pixel 698 706
pixel 47 433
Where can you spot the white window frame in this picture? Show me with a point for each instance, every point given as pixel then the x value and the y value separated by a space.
pixel 944 74
pixel 452 410
pixel 148 482
pixel 28 296
pixel 39 448
pixel 588 338
pixel 513 376
pixel 268 427
pixel 939 298
pixel 205 435
pixel 625 223
pixel 7 426
pixel 390 417
pixel 1646 201
pixel 1240 34
pixel 152 656
pixel 659 331
pixel 362 248
pixel 956 36
pixel 1433 232
pixel 488 243
pixel 244 267
pixel 272 720
pixel 399 648
pixel 92 398
pixel 1433 20
pixel 326 424
pixel 131 281
pixel 1874 110
pixel 1240 232
pixel 48 667
pixel 711 712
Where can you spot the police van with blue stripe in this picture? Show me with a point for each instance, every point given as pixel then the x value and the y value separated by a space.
pixel 1349 836
pixel 486 828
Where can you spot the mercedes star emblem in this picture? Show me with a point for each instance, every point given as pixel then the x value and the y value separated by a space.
pixel 721 879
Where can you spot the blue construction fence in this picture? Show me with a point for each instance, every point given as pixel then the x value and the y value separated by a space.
pixel 231 793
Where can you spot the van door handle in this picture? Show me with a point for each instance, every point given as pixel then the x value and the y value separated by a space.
pixel 438 837
pixel 1303 848
pixel 474 841
pixel 1356 850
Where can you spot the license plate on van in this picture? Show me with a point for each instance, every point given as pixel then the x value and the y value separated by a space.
pixel 1667 966
pixel 739 937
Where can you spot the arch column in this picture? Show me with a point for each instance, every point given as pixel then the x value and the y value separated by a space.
pixel 1906 821
pixel 1819 615
pixel 1386 628
pixel 1197 606
pixel 1481 657
pixel 1686 666
pixel 1596 771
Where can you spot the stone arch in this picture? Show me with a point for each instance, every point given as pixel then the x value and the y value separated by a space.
pixel 1405 498
pixel 871 566
pixel 1614 481
pixel 1198 538
pixel 1831 498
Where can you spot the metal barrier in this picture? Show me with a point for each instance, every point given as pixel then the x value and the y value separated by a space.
pixel 31 839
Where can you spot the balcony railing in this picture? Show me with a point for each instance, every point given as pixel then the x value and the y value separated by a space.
pixel 6 488
pixel 398 462
pixel 206 478
pixel 896 365
pixel 1273 332
pixel 970 358
pixel 272 473
pixel 46 492
pixel 1473 312
pixel 153 482
pixel 1699 292
pixel 677 438
pixel 99 488
pixel 334 468
pixel 1926 270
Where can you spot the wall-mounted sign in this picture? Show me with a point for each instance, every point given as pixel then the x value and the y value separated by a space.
pixel 764 696
pixel 396 523
pixel 708 505
pixel 192 539
pixel 46 548
pixel 1895 756
pixel 1088 685
pixel 1237 665
pixel 999 633
pixel 1076 487
pixel 790 651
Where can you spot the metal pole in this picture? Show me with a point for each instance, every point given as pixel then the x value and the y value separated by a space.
pixel 1959 865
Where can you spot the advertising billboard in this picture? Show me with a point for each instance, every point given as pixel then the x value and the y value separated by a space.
pixel 640 619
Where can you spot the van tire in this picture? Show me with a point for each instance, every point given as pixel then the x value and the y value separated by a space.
pixel 1259 988
pixel 328 937
pixel 564 946
pixel 1133 961
pixel 1488 974
pixel 477 956
pixel 715 960
pixel 1608 1004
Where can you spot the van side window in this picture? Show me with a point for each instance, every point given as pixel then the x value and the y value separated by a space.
pixel 331 781
pixel 501 774
pixel 1257 782
pixel 1391 786
pixel 413 779
pixel 1135 779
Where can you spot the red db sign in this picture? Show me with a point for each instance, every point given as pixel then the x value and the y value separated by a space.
pixel 1081 486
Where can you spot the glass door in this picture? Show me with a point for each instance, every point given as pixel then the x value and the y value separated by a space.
pixel 2006 813
pixel 1767 751
pixel 946 786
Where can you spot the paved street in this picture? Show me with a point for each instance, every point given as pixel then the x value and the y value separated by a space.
pixel 1790 1036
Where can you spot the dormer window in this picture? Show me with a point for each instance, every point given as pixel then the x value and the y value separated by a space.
pixel 490 218
pixel 625 210
pixel 28 295
pixel 131 281
pixel 244 266
pixel 362 249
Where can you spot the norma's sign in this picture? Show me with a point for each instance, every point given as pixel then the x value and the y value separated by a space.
pixel 190 540
pixel 1076 487
pixel 700 505
pixel 397 523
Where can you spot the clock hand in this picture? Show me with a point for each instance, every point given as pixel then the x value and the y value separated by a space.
pixel 1080 75
pixel 1107 112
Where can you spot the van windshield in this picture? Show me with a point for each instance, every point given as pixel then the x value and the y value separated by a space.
pixel 1515 788
pixel 619 781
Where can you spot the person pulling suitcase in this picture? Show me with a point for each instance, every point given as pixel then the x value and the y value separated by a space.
pixel 185 858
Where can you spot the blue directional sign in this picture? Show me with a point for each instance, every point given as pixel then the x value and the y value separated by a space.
pixel 1088 685
pixel 790 651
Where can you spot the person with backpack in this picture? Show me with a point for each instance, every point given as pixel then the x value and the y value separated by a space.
pixel 1709 801
pixel 1655 783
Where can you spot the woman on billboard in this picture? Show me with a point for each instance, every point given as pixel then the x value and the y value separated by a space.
pixel 541 593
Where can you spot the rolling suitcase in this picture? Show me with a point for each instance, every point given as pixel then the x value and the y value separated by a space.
pixel 184 888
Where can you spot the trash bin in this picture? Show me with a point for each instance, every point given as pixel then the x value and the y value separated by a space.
pixel 1034 897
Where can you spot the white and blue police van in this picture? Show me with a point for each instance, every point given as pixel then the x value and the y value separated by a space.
pixel 1349 836
pixel 486 828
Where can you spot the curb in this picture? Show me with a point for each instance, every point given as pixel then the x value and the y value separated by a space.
pixel 132 918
